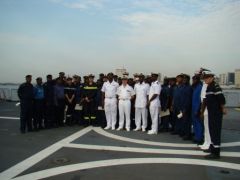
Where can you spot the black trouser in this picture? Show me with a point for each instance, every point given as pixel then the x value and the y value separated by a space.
pixel 38 113
pixel 172 120
pixel 101 118
pixel 132 116
pixel 149 120
pixel 49 120
pixel 26 115
pixel 187 124
pixel 89 113
pixel 165 122
pixel 59 112
pixel 69 113
pixel 178 128
pixel 215 127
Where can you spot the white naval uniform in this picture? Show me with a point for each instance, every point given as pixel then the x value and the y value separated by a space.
pixel 141 91
pixel 207 138
pixel 154 105
pixel 125 94
pixel 110 103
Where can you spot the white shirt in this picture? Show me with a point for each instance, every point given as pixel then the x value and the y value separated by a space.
pixel 125 92
pixel 203 95
pixel 203 91
pixel 141 91
pixel 155 89
pixel 110 89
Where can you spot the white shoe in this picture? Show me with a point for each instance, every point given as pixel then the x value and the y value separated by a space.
pixel 119 129
pixel 143 130
pixel 127 129
pixel 137 129
pixel 204 147
pixel 113 129
pixel 107 128
pixel 151 132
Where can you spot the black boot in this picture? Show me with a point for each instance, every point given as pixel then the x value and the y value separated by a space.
pixel 215 153
pixel 209 150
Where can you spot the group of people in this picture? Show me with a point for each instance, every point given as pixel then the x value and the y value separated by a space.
pixel 192 111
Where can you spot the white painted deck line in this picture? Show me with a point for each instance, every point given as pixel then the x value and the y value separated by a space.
pixel 6 117
pixel 116 162
pixel 29 162
pixel 153 143
pixel 149 150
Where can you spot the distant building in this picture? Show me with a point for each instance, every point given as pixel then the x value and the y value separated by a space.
pixel 237 78
pixel 120 72
pixel 217 80
pixel 230 78
pixel 223 79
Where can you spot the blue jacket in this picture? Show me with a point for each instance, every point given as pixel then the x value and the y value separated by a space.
pixel 178 100
pixel 49 92
pixel 38 92
pixel 25 92
pixel 187 99
pixel 196 98
pixel 59 92
pixel 164 97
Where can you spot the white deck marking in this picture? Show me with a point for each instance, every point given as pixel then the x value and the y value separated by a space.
pixel 13 118
pixel 29 162
pixel 129 161
pixel 148 150
pixel 153 143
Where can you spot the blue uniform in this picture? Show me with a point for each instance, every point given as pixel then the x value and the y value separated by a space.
pixel 186 109
pixel 172 119
pixel 25 94
pixel 49 104
pixel 59 99
pixel 178 103
pixel 164 99
pixel 38 107
pixel 196 106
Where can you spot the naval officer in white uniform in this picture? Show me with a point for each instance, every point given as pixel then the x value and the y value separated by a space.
pixel 154 103
pixel 141 90
pixel 125 95
pixel 109 97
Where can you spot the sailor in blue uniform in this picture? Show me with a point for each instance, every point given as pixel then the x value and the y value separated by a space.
pixel 177 106
pixel 196 107
pixel 38 105
pixel 214 102
pixel 25 94
pixel 49 102
pixel 164 99
pixel 187 107
pixel 59 100
pixel 172 87
pixel 70 101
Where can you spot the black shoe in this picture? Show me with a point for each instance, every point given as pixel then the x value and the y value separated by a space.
pixel 174 133
pixel 212 156
pixel 181 135
pixel 23 131
pixel 163 130
pixel 207 150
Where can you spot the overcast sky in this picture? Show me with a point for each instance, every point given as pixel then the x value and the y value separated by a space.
pixel 90 36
